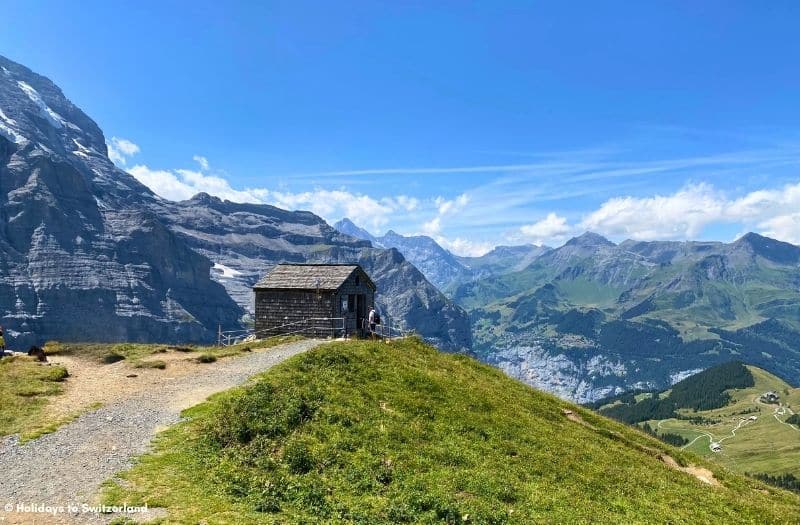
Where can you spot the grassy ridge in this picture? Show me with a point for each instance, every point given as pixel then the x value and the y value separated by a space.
pixel 372 433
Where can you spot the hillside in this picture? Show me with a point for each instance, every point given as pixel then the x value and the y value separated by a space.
pixel 592 318
pixel 400 433
pixel 754 436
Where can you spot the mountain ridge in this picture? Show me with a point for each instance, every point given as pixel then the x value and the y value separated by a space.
pixel 588 318
pixel 443 268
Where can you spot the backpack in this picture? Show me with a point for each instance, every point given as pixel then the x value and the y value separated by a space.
pixel 377 318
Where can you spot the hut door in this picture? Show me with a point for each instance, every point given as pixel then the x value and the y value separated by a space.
pixel 361 310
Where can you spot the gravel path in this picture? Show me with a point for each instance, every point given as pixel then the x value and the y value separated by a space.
pixel 67 467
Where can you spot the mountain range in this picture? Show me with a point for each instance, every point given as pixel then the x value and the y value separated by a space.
pixel 89 253
pixel 441 267
pixel 593 318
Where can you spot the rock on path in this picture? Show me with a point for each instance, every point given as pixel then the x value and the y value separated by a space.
pixel 68 466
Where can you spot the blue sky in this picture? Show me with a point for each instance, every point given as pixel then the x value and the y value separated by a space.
pixel 478 123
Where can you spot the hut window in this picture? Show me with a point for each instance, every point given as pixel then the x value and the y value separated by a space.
pixel 358 280
pixel 344 304
pixel 351 303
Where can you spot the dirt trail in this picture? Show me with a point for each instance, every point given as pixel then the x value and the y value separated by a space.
pixel 67 467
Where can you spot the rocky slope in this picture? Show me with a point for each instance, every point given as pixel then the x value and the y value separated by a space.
pixel 89 253
pixel 81 257
pixel 246 240
pixel 592 318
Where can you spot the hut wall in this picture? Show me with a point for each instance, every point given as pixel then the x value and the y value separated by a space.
pixel 277 308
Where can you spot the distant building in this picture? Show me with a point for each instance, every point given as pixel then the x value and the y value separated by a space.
pixel 715 447
pixel 770 397
pixel 313 300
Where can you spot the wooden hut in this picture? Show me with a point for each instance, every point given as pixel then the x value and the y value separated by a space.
pixel 313 300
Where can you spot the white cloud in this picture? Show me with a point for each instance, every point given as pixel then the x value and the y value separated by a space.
pixel 433 227
pixel 465 247
pixel 182 184
pixel 682 215
pixel 331 205
pixel 443 207
pixel 783 227
pixel 686 213
pixel 552 229
pixel 453 206
pixel 336 204
pixel 202 161
pixel 120 150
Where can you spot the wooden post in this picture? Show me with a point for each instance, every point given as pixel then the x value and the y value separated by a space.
pixel 219 335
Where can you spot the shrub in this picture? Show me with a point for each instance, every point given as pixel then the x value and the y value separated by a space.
pixel 112 357
pixel 161 365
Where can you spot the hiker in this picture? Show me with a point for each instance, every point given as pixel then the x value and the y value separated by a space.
pixel 371 322
pixel 374 320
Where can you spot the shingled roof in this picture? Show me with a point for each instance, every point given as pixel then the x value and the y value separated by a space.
pixel 309 276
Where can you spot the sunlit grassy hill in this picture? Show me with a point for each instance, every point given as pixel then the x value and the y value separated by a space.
pixel 375 433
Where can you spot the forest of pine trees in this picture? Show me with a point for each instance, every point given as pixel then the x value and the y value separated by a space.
pixel 667 437
pixel 703 391
pixel 785 481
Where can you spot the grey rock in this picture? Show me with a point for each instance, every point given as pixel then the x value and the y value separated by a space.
pixel 82 256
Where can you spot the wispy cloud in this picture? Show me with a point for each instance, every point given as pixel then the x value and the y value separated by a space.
pixel 120 150
pixel 532 202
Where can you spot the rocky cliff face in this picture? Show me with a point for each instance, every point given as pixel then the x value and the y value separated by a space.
pixel 246 240
pixel 89 253
pixel 81 257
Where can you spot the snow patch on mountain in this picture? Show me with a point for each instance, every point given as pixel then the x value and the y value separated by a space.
pixel 56 120
pixel 225 272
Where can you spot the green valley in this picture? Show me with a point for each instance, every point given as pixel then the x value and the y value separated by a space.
pixel 746 431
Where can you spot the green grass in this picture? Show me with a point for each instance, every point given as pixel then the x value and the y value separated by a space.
pixel 152 363
pixel 375 433
pixel 25 385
